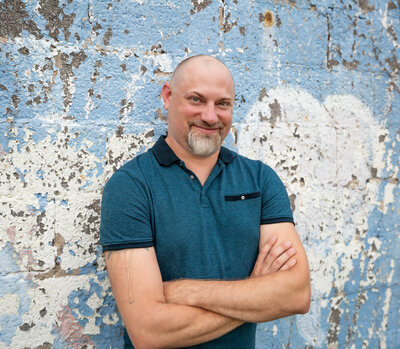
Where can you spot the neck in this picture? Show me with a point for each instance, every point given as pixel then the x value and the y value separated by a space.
pixel 200 165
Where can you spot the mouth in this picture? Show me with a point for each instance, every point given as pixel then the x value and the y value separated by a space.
pixel 206 129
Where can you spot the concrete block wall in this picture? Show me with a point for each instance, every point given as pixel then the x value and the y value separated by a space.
pixel 318 99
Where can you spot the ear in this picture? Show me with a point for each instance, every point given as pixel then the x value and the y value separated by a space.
pixel 166 95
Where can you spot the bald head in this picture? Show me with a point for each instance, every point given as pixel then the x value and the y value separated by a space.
pixel 184 68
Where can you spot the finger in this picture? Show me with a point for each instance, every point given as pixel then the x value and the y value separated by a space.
pixel 265 249
pixel 259 265
pixel 289 264
pixel 279 262
pixel 274 254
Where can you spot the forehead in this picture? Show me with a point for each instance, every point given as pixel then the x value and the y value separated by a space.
pixel 205 75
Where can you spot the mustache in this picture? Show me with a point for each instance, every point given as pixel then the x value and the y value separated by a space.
pixel 204 124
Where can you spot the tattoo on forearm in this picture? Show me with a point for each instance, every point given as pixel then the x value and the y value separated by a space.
pixel 110 263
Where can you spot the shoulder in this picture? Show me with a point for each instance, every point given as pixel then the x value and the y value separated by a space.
pixel 252 165
pixel 133 170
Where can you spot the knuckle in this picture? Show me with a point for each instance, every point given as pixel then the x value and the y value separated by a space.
pixel 275 264
pixel 275 253
pixel 265 248
pixel 286 255
pixel 268 261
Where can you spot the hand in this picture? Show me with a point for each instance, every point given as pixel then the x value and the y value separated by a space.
pixel 272 258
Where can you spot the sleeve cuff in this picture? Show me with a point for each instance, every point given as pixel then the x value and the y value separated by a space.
pixel 277 220
pixel 122 246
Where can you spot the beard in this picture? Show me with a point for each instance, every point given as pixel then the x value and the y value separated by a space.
pixel 202 144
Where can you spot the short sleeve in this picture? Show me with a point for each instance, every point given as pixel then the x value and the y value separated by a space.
pixel 125 213
pixel 275 201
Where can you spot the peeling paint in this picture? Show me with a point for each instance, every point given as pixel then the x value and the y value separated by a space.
pixel 70 331
pixel 13 13
pixel 317 98
pixel 267 18
pixel 56 18
pixel 199 5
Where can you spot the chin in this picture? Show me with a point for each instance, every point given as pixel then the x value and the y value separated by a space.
pixel 204 145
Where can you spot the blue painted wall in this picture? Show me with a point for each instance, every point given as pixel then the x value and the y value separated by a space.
pixel 318 99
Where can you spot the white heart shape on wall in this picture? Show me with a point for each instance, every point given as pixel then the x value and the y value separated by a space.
pixel 328 156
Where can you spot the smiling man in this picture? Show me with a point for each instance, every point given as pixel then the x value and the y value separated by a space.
pixel 202 135
pixel 199 241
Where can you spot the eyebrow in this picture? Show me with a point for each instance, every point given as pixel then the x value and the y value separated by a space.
pixel 202 96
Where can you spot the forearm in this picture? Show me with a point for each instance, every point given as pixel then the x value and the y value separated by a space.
pixel 263 297
pixel 173 326
pixel 257 299
pixel 151 322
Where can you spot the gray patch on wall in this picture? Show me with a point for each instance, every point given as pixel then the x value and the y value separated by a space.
pixel 15 19
pixel 199 5
pixel 55 18
pixel 275 111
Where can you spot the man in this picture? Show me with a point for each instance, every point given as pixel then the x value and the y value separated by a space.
pixel 199 242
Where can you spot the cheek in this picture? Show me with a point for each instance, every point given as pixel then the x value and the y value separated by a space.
pixel 187 111
pixel 226 119
pixel 178 123
pixel 225 132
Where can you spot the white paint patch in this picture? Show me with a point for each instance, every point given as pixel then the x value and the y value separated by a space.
pixel 52 189
pixel 9 304
pixel 164 62
pixel 324 154
pixel 52 294
pixel 111 319
pixel 386 306
pixel 388 197
pixel 386 22
pixel 130 89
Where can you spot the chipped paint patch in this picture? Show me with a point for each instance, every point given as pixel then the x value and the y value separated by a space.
pixel 70 331
pixel 267 18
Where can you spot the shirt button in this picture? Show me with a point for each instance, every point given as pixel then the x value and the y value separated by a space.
pixel 242 197
pixel 191 177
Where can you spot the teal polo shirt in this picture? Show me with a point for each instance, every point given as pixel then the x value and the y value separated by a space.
pixel 208 231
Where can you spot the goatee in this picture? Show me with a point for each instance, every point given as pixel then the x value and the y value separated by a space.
pixel 203 145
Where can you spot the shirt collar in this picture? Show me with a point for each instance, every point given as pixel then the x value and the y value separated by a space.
pixel 166 157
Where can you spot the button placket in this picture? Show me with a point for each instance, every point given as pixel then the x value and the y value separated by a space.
pixel 203 199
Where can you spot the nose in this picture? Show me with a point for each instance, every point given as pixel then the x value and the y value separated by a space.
pixel 209 114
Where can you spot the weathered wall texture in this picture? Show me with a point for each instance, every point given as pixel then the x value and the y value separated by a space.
pixel 318 99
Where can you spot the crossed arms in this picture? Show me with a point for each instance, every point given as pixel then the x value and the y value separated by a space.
pixel 188 312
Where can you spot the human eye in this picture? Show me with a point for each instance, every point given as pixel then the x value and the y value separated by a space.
pixel 194 99
pixel 225 104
